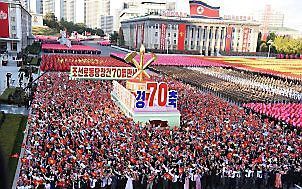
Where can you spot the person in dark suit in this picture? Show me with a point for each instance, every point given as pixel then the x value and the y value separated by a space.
pixel 114 181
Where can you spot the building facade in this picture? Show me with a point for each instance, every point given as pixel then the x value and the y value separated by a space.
pixel 94 9
pixel 107 24
pixel 54 6
pixel 136 8
pixel 36 6
pixel 74 11
pixel 203 30
pixel 16 28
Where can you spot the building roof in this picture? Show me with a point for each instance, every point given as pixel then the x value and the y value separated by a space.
pixel 283 29
pixel 190 20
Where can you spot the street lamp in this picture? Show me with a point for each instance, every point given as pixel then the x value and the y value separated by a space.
pixel 270 42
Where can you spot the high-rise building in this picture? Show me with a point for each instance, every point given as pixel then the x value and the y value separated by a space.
pixel 107 24
pixel 135 8
pixel 269 18
pixel 54 6
pixel 94 9
pixel 36 6
pixel 74 11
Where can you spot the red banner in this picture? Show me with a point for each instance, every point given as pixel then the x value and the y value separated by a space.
pixel 163 33
pixel 4 31
pixel 181 36
pixel 143 33
pixel 228 39
pixel 204 11
pixel 245 39
pixel 136 36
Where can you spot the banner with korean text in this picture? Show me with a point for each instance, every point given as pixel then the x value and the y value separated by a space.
pixel 106 73
pixel 181 36
pixel 163 33
pixel 245 39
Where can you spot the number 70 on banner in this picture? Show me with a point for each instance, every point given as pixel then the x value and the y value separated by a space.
pixel 157 94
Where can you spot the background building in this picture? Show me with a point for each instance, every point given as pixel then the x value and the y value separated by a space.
pixel 94 9
pixel 16 32
pixel 136 8
pixel 107 24
pixel 74 10
pixel 36 6
pixel 203 30
pixel 54 6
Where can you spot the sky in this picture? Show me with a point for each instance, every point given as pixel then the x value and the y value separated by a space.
pixel 291 8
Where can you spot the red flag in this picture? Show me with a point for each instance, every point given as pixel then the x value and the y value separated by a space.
pixel 228 39
pixel 181 36
pixel 15 155
pixel 4 32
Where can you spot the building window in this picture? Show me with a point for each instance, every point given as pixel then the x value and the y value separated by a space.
pixel 175 34
pixel 174 42
pixel 192 32
pixel 156 34
pixel 210 34
pixel 13 27
pixel 198 31
pixel 14 46
pixel 13 19
pixel 169 34
pixel 197 43
pixel 191 43
pixel 3 46
pixel 204 33
pixel 186 42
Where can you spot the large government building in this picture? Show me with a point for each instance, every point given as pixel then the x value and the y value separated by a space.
pixel 15 28
pixel 203 30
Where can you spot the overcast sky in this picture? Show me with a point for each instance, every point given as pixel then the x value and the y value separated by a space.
pixel 291 8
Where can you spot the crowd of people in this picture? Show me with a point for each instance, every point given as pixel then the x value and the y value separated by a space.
pixel 78 138
pixel 288 88
pixel 74 49
pixel 290 113
pixel 239 87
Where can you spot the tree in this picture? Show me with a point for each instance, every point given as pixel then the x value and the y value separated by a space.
pixel 121 39
pixel 114 37
pixel 272 36
pixel 99 32
pixel 51 21
pixel 287 45
pixel 263 47
pixel 259 41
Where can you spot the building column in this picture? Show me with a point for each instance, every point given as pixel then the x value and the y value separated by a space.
pixel 214 31
pixel 223 38
pixel 218 39
pixel 207 40
pixel 253 39
pixel 240 39
pixel 200 38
